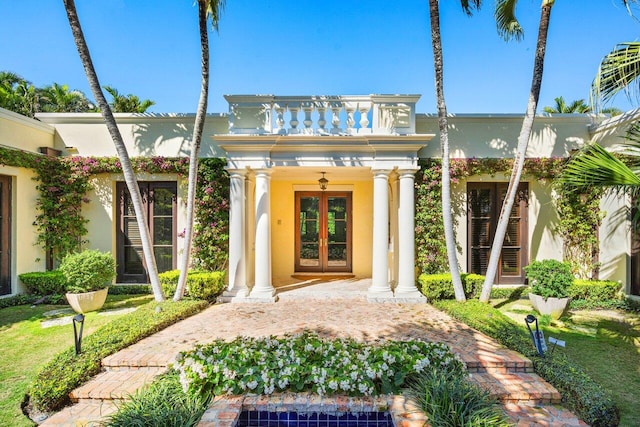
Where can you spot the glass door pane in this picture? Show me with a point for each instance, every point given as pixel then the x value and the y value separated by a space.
pixel 309 232
pixel 337 231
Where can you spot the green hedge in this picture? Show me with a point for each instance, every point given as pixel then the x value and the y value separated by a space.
pixel 511 292
pixel 439 286
pixel 44 282
pixel 205 285
pixel 580 393
pixel 129 290
pixel 51 388
pixel 594 290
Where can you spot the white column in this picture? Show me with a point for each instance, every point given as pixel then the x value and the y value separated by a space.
pixel 263 290
pixel 406 288
pixel 380 288
pixel 237 238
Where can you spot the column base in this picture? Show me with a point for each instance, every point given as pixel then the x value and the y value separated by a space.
pixel 379 294
pixel 233 294
pixel 410 297
pixel 259 295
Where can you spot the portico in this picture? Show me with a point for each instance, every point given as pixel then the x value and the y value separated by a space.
pixel 282 223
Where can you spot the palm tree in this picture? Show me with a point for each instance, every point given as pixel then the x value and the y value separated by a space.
pixel 509 27
pixel 123 155
pixel 59 99
pixel 443 125
pixel 561 107
pixel 127 103
pixel 18 95
pixel 206 9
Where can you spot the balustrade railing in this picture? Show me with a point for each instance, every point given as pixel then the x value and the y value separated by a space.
pixel 322 115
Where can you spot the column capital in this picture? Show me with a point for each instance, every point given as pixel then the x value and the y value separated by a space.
pixel 236 172
pixel 408 172
pixel 381 172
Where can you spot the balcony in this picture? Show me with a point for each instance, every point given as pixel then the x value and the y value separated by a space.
pixel 322 115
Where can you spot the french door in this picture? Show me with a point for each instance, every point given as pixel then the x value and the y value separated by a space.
pixel 484 202
pixel 159 202
pixel 5 235
pixel 323 231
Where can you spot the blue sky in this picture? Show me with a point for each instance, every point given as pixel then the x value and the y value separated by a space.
pixel 307 47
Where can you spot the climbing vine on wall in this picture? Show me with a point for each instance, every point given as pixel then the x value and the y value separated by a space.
pixel 579 215
pixel 63 183
pixel 211 233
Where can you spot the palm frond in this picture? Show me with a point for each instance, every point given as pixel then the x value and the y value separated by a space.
pixel 595 166
pixel 214 11
pixel 618 72
pixel 506 21
pixel 468 6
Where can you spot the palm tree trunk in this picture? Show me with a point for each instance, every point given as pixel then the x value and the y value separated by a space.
pixel 195 150
pixel 523 143
pixel 121 149
pixel 443 125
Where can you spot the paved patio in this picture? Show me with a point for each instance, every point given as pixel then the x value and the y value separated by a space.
pixel 331 309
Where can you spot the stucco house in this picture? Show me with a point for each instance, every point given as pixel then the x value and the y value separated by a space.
pixel 319 185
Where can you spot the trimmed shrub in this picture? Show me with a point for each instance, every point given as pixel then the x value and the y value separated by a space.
pixel 205 285
pixel 440 286
pixel 51 388
pixel 580 393
pixel 44 282
pixel 549 278
pixel 163 403
pixel 87 271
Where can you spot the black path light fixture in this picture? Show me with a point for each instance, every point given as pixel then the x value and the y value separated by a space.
pixel 323 182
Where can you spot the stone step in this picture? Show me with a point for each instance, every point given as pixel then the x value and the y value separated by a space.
pixel 115 384
pixel 517 387
pixel 83 414
pixel 140 358
pixel 506 361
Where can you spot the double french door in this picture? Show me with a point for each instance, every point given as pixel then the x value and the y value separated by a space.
pixel 323 231
pixel 5 235
pixel 159 203
pixel 484 204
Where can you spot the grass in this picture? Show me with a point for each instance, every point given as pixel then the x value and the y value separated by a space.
pixel 605 343
pixel 26 346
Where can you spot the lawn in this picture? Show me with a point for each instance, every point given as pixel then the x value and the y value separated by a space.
pixel 26 346
pixel 606 343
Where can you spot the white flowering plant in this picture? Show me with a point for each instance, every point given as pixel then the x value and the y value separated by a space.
pixel 306 362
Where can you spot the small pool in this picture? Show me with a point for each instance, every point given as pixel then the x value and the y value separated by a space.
pixel 301 419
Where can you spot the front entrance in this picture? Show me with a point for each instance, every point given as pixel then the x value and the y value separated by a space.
pixel 5 235
pixel 484 203
pixel 159 202
pixel 323 231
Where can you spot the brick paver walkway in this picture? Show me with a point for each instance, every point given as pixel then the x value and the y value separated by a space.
pixel 335 309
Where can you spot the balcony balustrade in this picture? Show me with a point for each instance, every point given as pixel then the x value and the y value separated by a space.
pixel 322 115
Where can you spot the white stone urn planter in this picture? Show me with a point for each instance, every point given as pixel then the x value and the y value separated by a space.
pixel 87 301
pixel 555 307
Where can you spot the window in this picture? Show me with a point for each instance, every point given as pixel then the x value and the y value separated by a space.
pixel 159 202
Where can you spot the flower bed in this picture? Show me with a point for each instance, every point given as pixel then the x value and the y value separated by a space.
pixel 307 362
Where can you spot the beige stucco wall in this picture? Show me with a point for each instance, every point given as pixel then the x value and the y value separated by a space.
pixel 615 239
pixel 283 224
pixel 101 210
pixel 496 136
pixel 24 134
pixel 144 135
pixel 543 242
